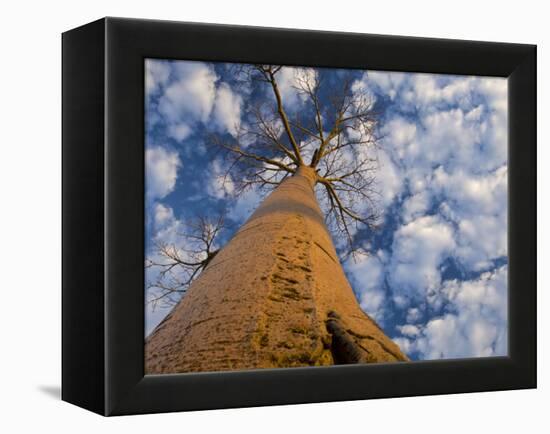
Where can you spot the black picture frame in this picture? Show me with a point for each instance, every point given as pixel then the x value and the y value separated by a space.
pixel 103 221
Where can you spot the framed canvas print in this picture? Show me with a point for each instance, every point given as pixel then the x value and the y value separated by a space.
pixel 263 216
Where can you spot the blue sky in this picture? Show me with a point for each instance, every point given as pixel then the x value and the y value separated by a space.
pixel 434 275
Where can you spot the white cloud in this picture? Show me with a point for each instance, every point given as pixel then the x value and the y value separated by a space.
pixel 169 233
pixel 431 92
pixel 481 239
pixel 429 89
pixel 478 204
pixel 461 117
pixel 367 274
pixel 192 94
pixel 416 205
pixel 162 215
pixel 475 326
pixel 387 82
pixel 413 315
pixel 161 172
pixel 188 98
pixel 409 330
pixel 179 131
pixel 157 73
pixel 288 80
pixel 389 178
pixel 227 109
pixel 436 138
pixel 496 92
pixel 406 345
pixel 220 184
pixel 400 134
pixel 419 248
pixel 454 122
pixel 485 194
pixel 446 134
pixel 448 138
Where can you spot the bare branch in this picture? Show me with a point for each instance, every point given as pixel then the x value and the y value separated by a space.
pixel 178 266
pixel 256 157
pixel 334 129
pixel 270 73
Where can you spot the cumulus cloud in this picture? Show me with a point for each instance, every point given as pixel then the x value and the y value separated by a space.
pixel 475 325
pixel 482 239
pixel 413 315
pixel 190 93
pixel 400 136
pixel 386 83
pixel 187 98
pixel 431 92
pixel 389 179
pixel 367 275
pixel 179 131
pixel 163 215
pixel 447 137
pixel 418 250
pixel 438 117
pixel 157 73
pixel 227 109
pixel 482 194
pixel 220 183
pixel 416 205
pixel 409 330
pixel 161 171
pixel 288 81
pixel 478 205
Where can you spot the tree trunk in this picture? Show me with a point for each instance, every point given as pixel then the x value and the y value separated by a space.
pixel 274 296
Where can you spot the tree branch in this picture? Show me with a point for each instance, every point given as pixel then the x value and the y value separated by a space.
pixel 284 117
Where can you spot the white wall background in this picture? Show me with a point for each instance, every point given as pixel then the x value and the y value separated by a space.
pixel 30 192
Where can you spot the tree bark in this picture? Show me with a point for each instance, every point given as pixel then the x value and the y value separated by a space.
pixel 275 296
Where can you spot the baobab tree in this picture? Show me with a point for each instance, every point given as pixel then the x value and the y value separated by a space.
pixel 276 294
